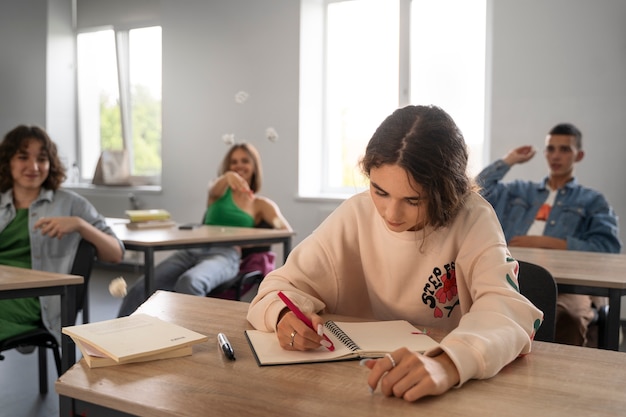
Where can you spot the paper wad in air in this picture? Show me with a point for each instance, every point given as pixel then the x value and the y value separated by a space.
pixel 125 339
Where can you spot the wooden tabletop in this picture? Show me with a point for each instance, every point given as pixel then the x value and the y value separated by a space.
pixel 12 278
pixel 25 282
pixel 554 380
pixel 594 269
pixel 202 234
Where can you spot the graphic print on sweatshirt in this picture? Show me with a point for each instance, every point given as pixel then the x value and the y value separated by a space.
pixel 440 292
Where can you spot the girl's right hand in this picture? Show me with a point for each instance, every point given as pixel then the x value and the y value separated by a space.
pixel 237 183
pixel 294 334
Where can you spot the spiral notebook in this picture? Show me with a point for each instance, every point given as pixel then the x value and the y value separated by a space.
pixel 352 340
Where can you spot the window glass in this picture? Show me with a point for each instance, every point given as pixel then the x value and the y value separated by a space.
pixel 376 56
pixel 448 64
pixel 98 98
pixel 119 99
pixel 145 89
pixel 361 82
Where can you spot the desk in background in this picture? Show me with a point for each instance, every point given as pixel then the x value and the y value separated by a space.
pixel 149 241
pixel 592 273
pixel 22 282
pixel 553 380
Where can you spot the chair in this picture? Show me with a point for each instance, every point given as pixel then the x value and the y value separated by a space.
pixel 537 284
pixel 250 274
pixel 83 265
pixel 256 262
pixel 599 322
pixel 238 286
pixel 41 337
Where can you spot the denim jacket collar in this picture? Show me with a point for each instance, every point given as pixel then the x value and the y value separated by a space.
pixel 6 198
pixel 543 185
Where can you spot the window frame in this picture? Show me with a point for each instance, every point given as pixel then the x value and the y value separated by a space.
pixel 313 143
pixel 121 35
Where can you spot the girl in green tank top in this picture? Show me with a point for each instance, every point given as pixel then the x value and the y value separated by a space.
pixel 232 201
pixel 224 212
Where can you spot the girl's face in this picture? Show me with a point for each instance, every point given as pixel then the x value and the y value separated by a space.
pixel 242 164
pixel 398 198
pixel 30 166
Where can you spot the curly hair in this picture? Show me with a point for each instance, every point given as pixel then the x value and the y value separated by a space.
pixel 17 139
pixel 425 141
pixel 257 175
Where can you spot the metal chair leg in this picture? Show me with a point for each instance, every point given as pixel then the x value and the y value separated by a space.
pixel 43 370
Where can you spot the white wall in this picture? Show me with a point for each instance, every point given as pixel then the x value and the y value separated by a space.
pixel 23 26
pixel 36 69
pixel 60 79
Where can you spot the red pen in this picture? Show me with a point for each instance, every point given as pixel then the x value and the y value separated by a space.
pixel 299 314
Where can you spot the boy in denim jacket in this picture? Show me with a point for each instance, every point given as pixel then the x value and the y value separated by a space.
pixel 556 213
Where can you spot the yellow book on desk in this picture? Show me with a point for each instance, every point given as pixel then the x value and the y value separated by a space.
pixel 352 340
pixel 147 215
pixel 126 339
pixel 150 224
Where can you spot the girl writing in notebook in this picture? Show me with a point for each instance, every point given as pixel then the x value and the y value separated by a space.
pixel 420 245
pixel 232 201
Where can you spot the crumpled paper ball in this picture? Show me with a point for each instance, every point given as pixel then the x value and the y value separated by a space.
pixel 271 134
pixel 241 97
pixel 229 138
pixel 117 287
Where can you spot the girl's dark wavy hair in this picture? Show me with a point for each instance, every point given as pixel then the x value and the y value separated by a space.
pixel 425 141
pixel 17 139
pixel 257 176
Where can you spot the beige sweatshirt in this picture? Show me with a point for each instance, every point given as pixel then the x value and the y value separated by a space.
pixel 452 278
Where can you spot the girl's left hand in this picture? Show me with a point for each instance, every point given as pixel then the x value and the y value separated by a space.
pixel 413 375
pixel 57 227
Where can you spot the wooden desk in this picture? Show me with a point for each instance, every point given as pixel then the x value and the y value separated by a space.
pixel 592 273
pixel 149 241
pixel 553 380
pixel 22 282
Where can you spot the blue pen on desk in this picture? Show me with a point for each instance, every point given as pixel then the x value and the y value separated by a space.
pixel 294 308
pixel 226 347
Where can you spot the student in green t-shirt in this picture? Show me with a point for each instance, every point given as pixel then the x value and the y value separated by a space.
pixel 42 224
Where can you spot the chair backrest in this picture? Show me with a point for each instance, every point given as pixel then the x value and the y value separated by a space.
pixel 537 284
pixel 83 265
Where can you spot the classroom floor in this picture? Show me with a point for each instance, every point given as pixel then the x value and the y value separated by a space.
pixel 19 386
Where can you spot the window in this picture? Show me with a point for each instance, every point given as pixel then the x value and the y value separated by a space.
pixel 119 99
pixel 362 59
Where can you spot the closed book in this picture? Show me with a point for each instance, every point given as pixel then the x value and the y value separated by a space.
pixel 94 359
pixel 147 215
pixel 150 224
pixel 126 339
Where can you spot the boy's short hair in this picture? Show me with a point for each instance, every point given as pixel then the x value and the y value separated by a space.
pixel 568 129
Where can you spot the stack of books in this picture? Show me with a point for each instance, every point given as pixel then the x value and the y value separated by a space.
pixel 148 219
pixel 136 338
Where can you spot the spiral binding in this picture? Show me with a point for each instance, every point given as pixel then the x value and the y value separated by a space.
pixel 344 338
